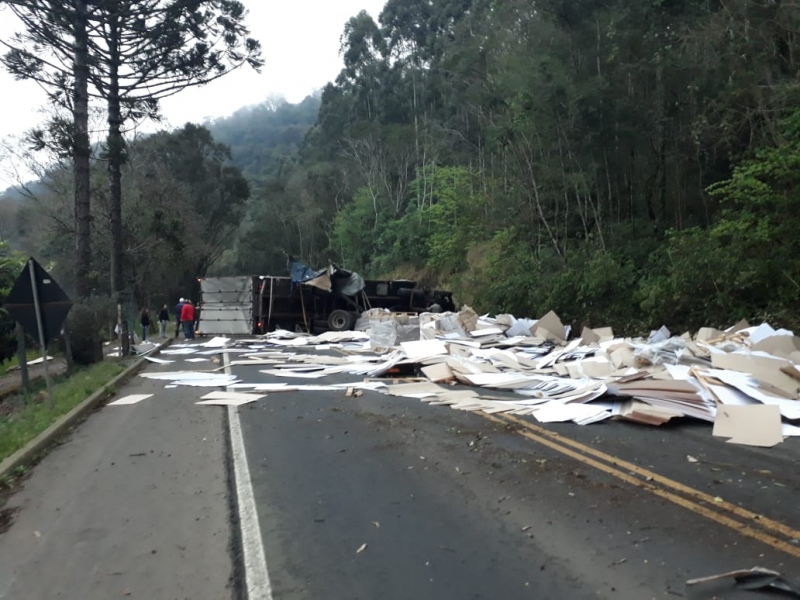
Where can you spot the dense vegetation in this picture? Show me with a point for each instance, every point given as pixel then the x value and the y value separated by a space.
pixel 182 202
pixel 629 164
pixel 624 163
pixel 265 141
pixel 265 138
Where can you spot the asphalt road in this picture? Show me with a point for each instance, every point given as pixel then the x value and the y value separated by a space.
pixel 135 503
pixel 379 497
pixel 452 505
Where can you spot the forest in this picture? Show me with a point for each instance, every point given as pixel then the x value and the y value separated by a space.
pixel 624 164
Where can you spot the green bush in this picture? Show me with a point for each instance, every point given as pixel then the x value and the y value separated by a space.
pixel 85 324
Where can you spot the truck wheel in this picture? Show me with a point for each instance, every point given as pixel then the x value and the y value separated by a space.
pixel 340 320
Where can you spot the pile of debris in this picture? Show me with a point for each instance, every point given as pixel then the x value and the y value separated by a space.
pixel 743 379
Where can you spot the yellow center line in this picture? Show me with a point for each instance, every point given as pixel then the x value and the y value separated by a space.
pixel 763 521
pixel 722 519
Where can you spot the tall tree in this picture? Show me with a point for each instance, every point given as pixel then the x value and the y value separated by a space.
pixel 60 29
pixel 140 52
pixel 145 50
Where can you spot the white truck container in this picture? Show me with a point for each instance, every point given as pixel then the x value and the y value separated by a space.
pixel 226 306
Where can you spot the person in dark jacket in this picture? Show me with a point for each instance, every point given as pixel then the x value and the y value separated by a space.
pixel 187 318
pixel 144 319
pixel 163 318
pixel 178 309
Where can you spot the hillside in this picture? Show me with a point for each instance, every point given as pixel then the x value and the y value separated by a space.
pixel 264 136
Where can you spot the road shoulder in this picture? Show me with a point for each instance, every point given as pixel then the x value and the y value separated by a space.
pixel 134 503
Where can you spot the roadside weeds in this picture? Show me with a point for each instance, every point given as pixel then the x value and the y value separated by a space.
pixel 24 423
pixel 12 364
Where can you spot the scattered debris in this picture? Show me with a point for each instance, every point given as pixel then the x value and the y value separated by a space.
pixel 160 361
pixel 743 379
pixel 754 579
pixel 132 399
pixel 529 367
pixel 751 425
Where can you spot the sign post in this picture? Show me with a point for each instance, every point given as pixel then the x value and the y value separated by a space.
pixel 38 304
pixel 40 326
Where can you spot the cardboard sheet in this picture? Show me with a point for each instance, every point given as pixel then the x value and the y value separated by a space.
pixel 424 348
pixel 766 369
pixel 232 396
pixel 754 425
pixel 205 382
pixel 217 342
pixel 558 412
pixel 439 372
pixel 132 399
pixel 589 336
pixel 226 402
pixel 159 361
pixel 552 324
pixel 316 374
pixel 790 409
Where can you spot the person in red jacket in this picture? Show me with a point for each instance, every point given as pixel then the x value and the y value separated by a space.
pixel 187 319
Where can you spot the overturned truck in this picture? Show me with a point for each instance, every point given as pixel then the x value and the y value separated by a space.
pixel 329 299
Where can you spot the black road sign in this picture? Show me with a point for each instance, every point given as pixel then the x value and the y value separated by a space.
pixel 54 302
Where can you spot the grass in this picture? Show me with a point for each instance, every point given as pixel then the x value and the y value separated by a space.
pixel 24 424
pixel 10 364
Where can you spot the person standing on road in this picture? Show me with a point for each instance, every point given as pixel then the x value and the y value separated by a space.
pixel 144 319
pixel 187 318
pixel 178 310
pixel 163 318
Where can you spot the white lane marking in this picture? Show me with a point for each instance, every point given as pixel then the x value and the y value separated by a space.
pixel 255 561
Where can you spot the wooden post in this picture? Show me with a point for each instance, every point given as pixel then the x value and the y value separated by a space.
pixel 67 345
pixel 22 358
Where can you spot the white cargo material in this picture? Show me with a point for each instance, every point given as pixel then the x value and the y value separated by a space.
pixel 226 306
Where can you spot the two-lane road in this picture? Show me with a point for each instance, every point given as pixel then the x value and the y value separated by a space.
pixel 316 495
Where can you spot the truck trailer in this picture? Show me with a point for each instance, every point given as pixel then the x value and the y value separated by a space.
pixel 330 299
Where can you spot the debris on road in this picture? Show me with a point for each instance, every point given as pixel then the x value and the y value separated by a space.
pixel 743 379
pixel 132 399
pixel 754 579
pixel 229 398
pixel 159 361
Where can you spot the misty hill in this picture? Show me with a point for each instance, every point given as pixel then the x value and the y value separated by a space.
pixel 264 136
pixel 15 196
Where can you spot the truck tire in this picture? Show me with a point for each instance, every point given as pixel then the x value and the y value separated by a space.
pixel 340 320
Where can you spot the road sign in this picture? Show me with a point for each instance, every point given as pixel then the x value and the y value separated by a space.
pixel 53 302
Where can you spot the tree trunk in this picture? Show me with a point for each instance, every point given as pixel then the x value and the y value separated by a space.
pixel 81 153
pixel 115 148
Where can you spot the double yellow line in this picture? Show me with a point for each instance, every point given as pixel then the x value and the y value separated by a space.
pixel 739 519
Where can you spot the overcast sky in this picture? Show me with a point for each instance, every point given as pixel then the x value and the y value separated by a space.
pixel 300 39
